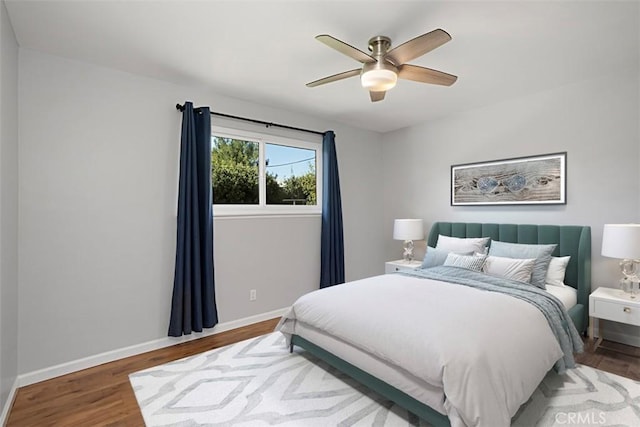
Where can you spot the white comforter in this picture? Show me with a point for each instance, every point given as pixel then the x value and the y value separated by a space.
pixel 487 351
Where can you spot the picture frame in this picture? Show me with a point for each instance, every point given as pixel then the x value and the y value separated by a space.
pixel 532 180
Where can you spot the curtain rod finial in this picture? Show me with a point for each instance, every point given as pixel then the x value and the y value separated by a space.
pixel 179 107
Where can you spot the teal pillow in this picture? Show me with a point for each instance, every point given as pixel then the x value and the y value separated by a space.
pixel 434 257
pixel 541 253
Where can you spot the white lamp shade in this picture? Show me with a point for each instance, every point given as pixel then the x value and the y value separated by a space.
pixel 378 80
pixel 408 229
pixel 621 241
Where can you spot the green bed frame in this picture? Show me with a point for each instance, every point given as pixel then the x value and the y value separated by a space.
pixel 571 240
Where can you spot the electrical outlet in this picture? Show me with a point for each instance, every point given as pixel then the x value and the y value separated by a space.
pixel 252 295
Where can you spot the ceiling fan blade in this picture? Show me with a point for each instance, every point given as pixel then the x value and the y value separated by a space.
pixel 335 77
pixel 425 75
pixel 417 47
pixel 376 96
pixel 345 48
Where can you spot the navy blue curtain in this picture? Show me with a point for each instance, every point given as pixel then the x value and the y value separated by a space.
pixel 193 306
pixel 332 240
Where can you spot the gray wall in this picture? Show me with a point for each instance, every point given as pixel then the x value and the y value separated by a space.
pixel 99 154
pixel 595 122
pixel 8 206
pixel 98 181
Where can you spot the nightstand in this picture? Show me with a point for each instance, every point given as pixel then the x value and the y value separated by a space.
pixel 399 265
pixel 615 305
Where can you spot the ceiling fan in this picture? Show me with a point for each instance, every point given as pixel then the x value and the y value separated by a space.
pixel 383 67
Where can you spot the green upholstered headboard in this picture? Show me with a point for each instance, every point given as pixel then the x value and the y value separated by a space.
pixel 572 240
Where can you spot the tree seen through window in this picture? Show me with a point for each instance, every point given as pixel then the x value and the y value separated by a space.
pixel 290 177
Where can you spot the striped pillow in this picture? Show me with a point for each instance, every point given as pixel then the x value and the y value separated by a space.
pixel 470 262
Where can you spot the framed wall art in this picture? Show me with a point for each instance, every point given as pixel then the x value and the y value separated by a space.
pixel 534 180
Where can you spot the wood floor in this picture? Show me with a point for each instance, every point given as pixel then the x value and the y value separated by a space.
pixel 612 357
pixel 102 396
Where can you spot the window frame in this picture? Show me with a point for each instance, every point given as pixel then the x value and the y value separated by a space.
pixel 262 208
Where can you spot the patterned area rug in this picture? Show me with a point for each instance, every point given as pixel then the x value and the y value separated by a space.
pixel 257 382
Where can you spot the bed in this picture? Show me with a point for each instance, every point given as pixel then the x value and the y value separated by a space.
pixel 572 240
pixel 447 378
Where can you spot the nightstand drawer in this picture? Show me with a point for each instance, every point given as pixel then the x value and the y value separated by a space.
pixel 625 313
pixel 395 266
pixel 390 268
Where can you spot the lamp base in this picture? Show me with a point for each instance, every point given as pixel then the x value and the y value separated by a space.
pixel 408 251
pixel 630 281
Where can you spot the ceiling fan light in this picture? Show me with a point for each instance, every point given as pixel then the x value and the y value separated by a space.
pixel 378 80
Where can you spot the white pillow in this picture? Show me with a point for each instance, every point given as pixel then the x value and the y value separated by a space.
pixel 509 268
pixel 556 271
pixel 470 262
pixel 457 244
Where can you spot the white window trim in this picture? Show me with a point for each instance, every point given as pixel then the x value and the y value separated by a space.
pixel 262 209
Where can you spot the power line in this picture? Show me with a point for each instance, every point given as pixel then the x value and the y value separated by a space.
pixel 291 163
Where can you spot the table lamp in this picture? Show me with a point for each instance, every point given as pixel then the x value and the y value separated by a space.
pixel 408 230
pixel 622 241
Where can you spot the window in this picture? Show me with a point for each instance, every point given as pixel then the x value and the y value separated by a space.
pixel 253 173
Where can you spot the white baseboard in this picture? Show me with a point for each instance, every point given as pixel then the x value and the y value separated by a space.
pixel 110 356
pixel 4 416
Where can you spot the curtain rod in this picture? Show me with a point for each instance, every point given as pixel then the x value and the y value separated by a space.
pixel 267 124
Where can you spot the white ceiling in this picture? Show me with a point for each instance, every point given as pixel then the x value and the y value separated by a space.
pixel 265 52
